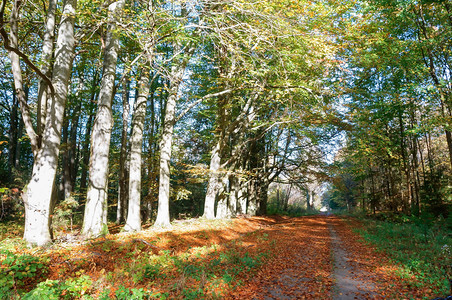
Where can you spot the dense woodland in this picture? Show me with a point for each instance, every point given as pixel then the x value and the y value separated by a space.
pixel 146 111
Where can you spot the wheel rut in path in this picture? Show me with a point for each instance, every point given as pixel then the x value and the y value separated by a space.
pixel 351 282
pixel 317 257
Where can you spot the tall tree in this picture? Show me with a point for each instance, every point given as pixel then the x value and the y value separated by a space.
pixel 136 144
pixel 45 143
pixel 95 218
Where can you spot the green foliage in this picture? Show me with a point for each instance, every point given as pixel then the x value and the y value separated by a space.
pixel 123 293
pixel 49 289
pixel 55 289
pixel 130 294
pixel 18 269
pixel 151 271
pixel 421 247
pixel 64 214
pixel 11 204
pixel 193 293
pixel 293 210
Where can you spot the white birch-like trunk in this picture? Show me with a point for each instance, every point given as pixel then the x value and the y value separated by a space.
pixel 177 72
pixel 241 196
pixel 213 185
pixel 163 216
pixel 134 216
pixel 95 218
pixel 46 61
pixel 223 200
pixel 38 204
pixel 233 193
pixel 123 164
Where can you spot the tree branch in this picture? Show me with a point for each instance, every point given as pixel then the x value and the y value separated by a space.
pixel 192 105
pixel 25 59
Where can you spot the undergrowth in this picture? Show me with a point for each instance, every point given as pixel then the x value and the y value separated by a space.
pixel 139 272
pixel 420 247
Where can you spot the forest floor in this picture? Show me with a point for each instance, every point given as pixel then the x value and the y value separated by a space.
pixel 321 257
pixel 312 257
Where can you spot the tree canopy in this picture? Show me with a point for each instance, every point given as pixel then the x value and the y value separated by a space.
pixel 146 111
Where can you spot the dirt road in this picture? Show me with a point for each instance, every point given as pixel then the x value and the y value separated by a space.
pixel 322 259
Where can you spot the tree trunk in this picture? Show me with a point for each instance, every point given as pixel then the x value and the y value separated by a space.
pixel 213 184
pixel 177 72
pixel 252 207
pixel 38 204
pixel 95 219
pixel 234 193
pixel 139 115
pixel 46 62
pixel 13 137
pixel 263 197
pixel 123 165
pixel 223 204
pixel 240 187
pixel 163 216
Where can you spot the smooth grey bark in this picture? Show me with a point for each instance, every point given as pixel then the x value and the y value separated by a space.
pixel 123 165
pixel 163 216
pixel 213 185
pixel 223 204
pixel 86 139
pixel 19 90
pixel 38 195
pixel 234 133
pixel 46 62
pixel 241 188
pixel 169 120
pixel 95 218
pixel 136 144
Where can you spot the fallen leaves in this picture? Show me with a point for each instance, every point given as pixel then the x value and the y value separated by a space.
pixel 245 258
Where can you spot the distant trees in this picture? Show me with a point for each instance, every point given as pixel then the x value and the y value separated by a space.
pixel 397 156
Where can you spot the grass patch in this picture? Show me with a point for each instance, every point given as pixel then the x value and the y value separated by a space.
pixel 420 248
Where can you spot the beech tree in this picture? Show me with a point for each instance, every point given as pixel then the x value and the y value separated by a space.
pixel 95 217
pixel 45 141
pixel 136 144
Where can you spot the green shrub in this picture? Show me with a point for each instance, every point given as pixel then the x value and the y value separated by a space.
pixel 49 289
pixel 123 293
pixel 55 289
pixel 16 269
pixel 63 216
pixel 151 271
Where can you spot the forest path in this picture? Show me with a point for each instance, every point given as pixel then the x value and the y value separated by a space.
pixel 351 280
pixel 322 259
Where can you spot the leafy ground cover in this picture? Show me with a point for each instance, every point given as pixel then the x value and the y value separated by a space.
pixel 301 267
pixel 419 254
pixel 194 259
pixel 245 258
